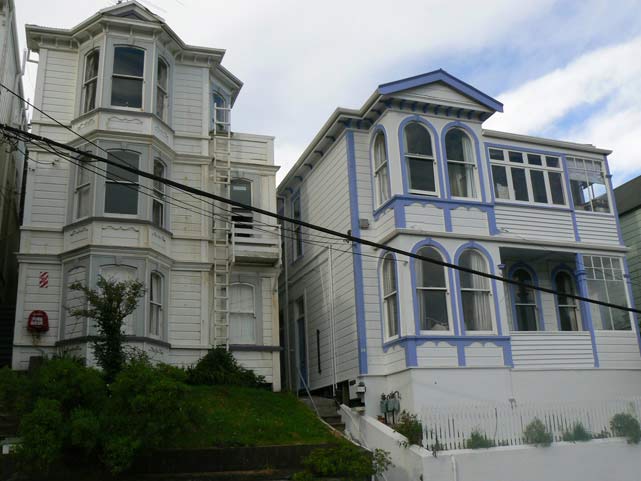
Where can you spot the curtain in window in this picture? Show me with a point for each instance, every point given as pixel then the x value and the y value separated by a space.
pixel 475 293
pixel 390 295
pixel 460 166
pixel 381 171
pixel 242 314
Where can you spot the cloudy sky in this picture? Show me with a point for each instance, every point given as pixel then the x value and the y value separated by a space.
pixel 564 69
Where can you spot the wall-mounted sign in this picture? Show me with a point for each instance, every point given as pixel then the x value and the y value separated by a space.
pixel 38 321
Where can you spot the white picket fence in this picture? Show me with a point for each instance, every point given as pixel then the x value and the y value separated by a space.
pixel 451 425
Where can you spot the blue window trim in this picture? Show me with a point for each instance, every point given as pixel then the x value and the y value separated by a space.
pixel 628 283
pixel 537 294
pixel 479 165
pixel 374 134
pixel 586 314
pixel 296 196
pixel 436 150
pixel 568 270
pixel 490 262
pixel 613 201
pixel 381 292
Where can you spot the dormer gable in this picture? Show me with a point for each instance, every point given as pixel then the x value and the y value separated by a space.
pixel 131 10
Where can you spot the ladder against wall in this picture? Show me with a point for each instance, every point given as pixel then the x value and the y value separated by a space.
pixel 222 226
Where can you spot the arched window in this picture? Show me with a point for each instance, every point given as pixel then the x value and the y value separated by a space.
pixel 461 165
pixel 128 77
pixel 242 314
pixel 90 81
pixel 432 292
pixel 421 165
pixel 121 186
pixel 162 89
pixel 155 304
pixel 475 293
pixel 567 305
pixel 158 203
pixel 390 296
pixel 525 305
pixel 381 169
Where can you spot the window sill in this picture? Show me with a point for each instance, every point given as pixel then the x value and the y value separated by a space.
pixel 124 220
pixel 254 348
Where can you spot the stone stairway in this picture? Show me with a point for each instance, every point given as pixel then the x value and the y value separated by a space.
pixel 327 410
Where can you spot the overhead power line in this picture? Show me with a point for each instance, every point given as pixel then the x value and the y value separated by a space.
pixel 346 236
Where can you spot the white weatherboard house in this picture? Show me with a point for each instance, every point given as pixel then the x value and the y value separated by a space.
pixel 414 169
pixel 124 80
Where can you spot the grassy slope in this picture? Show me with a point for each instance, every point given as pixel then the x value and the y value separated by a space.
pixel 237 416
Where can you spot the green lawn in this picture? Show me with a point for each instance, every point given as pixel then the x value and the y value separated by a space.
pixel 238 416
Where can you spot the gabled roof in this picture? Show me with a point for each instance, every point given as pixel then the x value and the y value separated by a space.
pixel 131 9
pixel 628 195
pixel 441 76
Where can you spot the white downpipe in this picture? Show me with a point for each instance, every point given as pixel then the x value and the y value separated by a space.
pixel 331 317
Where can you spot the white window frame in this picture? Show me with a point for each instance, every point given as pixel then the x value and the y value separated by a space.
pixel 132 77
pixel 156 306
pixel 488 291
pixel 584 170
pixel 251 313
pixel 80 187
pixel 391 297
pixel 468 162
pixel 600 274
pixel 123 182
pixel 162 108
pixel 158 198
pixel 381 169
pixel 410 156
pixel 86 82
pixel 528 168
pixel 219 125
pixel 446 289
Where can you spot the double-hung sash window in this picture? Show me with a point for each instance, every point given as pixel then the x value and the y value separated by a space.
pixel 241 191
pixel 475 293
pixel 461 165
pixel 158 202
pixel 162 89
pixel 525 306
pixel 564 284
pixel 381 169
pixel 90 81
pixel 155 304
pixel 121 186
pixel 432 292
pixel 527 177
pixel 221 117
pixel 605 279
pixel 83 207
pixel 588 185
pixel 298 230
pixel 242 314
pixel 419 157
pixel 128 77
pixel 390 296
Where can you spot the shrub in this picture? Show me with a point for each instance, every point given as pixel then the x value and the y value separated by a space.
pixel 411 427
pixel 536 433
pixel 577 433
pixel 478 440
pixel 14 391
pixel 603 434
pixel 626 425
pixel 219 367
pixel 346 461
pixel 85 432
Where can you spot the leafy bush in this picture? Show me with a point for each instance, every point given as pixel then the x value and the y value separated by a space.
pixel 478 440
pixel 344 460
pixel 219 367
pixel 85 430
pixel 603 434
pixel 626 425
pixel 577 433
pixel 14 391
pixel 536 433
pixel 411 427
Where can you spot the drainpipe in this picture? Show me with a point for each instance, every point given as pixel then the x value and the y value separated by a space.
pixel 331 317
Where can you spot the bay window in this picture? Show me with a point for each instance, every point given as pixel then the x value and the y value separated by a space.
pixel 461 164
pixel 527 177
pixel 381 169
pixel 162 89
pixel 158 202
pixel 128 77
pixel 432 292
pixel 155 304
pixel 90 81
pixel 475 293
pixel 390 296
pixel 82 191
pixel 564 285
pixel 121 186
pixel 606 282
pixel 588 185
pixel 525 302
pixel 420 160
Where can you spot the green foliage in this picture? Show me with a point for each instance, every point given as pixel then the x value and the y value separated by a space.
pixel 219 367
pixel 14 391
pixel 85 430
pixel 626 425
pixel 108 306
pixel 381 461
pixel 42 442
pixel 344 460
pixel 478 440
pixel 603 434
pixel 577 433
pixel 411 427
pixel 536 433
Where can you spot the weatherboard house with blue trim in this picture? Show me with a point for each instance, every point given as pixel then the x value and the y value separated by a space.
pixel 414 169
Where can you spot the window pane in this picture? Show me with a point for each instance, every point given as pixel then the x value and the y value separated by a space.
pixel 519 184
pixel 121 198
pixel 429 274
pixel 617 293
pixel 534 159
pixel 89 102
pixel 84 174
pixel 499 175
pixel 496 154
pixel 241 191
pixel 524 295
pixel 556 188
pixel 84 202
pixel 476 310
pixel 296 208
pixel 538 186
pixel 383 185
pixel 392 320
pixel 422 175
pixel 418 139
pixel 389 276
pixel 126 92
pixel 462 179
pixel 455 146
pixel 162 74
pixel 516 157
pixel 160 103
pixel 379 150
pixel 91 66
pixel 433 310
pixel 552 161
pixel 159 171
pixel 129 61
pixel 568 318
pixel 471 259
pixel 158 214
pixel 526 318
pixel 565 285
pixel 580 194
pixel 122 157
pixel 600 192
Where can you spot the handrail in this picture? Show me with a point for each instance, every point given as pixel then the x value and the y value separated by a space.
pixel 309 394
